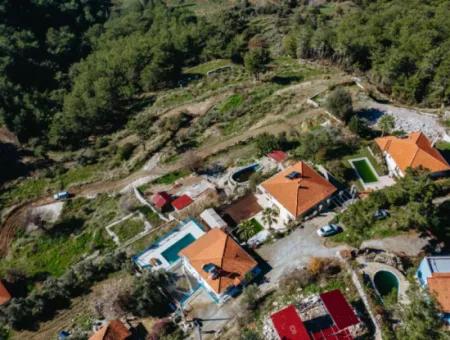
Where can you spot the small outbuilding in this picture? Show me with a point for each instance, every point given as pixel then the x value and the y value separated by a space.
pixel 181 202
pixel 212 219
pixel 161 200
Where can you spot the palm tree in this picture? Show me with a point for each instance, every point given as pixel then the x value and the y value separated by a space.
pixel 246 230
pixel 386 123
pixel 270 216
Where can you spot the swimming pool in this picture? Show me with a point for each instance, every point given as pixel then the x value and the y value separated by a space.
pixel 171 253
pixel 243 175
pixel 385 282
pixel 365 170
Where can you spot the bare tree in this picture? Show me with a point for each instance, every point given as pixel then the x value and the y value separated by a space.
pixel 192 161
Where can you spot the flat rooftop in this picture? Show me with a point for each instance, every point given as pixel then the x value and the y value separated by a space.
pixel 439 264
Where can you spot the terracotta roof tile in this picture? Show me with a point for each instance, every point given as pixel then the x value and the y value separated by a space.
pixel 5 296
pixel 277 155
pixel 300 194
pixel 439 284
pixel 114 330
pixel 218 248
pixel 413 151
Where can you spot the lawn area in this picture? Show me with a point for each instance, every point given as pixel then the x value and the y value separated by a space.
pixel 231 103
pixel 128 229
pixel 78 233
pixel 443 146
pixel 171 177
pixel 151 216
pixel 365 170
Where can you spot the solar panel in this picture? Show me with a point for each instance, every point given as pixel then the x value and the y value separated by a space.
pixel 294 175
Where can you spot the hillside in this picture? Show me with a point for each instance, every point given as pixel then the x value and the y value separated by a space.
pixel 119 101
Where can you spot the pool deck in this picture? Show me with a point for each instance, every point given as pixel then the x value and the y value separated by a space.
pixel 164 243
pixel 382 182
pixel 371 268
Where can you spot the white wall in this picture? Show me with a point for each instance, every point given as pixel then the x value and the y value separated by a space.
pixel 392 166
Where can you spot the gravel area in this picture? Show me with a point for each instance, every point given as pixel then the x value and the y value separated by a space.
pixel 409 244
pixel 408 120
pixel 295 250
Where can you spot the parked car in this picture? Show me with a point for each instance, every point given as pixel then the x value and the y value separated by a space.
pixel 328 230
pixel 381 214
pixel 62 195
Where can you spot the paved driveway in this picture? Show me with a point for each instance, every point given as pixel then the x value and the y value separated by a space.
pixel 295 250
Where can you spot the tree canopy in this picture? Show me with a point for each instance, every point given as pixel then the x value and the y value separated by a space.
pixel 404 46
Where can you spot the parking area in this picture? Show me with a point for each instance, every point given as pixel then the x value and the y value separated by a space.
pixel 296 250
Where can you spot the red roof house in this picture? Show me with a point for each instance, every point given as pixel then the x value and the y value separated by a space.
pixel 181 202
pixel 289 325
pixel 339 309
pixel 161 199
pixel 278 155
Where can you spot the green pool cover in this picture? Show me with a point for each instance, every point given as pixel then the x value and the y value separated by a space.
pixel 365 171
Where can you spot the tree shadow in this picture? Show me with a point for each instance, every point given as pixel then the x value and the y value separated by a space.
pixel 286 80
pixel 67 226
pixel 372 115
pixel 11 166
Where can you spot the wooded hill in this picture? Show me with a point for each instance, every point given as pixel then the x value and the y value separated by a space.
pixel 72 69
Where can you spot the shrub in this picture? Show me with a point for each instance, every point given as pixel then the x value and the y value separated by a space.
pixel 339 102
pixel 126 151
pixel 250 297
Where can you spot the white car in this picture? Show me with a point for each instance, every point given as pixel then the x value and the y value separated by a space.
pixel 328 230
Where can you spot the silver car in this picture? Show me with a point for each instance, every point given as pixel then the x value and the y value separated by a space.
pixel 328 230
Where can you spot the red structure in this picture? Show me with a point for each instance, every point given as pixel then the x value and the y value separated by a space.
pixel 161 199
pixel 277 155
pixel 332 333
pixel 181 202
pixel 339 310
pixel 289 325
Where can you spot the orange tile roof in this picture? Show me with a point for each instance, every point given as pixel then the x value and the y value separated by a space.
pixel 114 330
pixel 218 248
pixel 439 284
pixel 298 195
pixel 413 151
pixel 5 296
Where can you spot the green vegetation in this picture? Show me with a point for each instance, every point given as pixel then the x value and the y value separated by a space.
pixel 129 228
pixel 34 187
pixel 443 146
pixel 248 229
pixel 339 103
pixel 151 216
pixel 171 177
pixel 396 42
pixel 204 68
pixel 410 205
pixel 54 294
pixel 79 232
pixel 232 103
pixel 148 295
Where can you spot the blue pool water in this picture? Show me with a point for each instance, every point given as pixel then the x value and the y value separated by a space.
pixel 171 253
